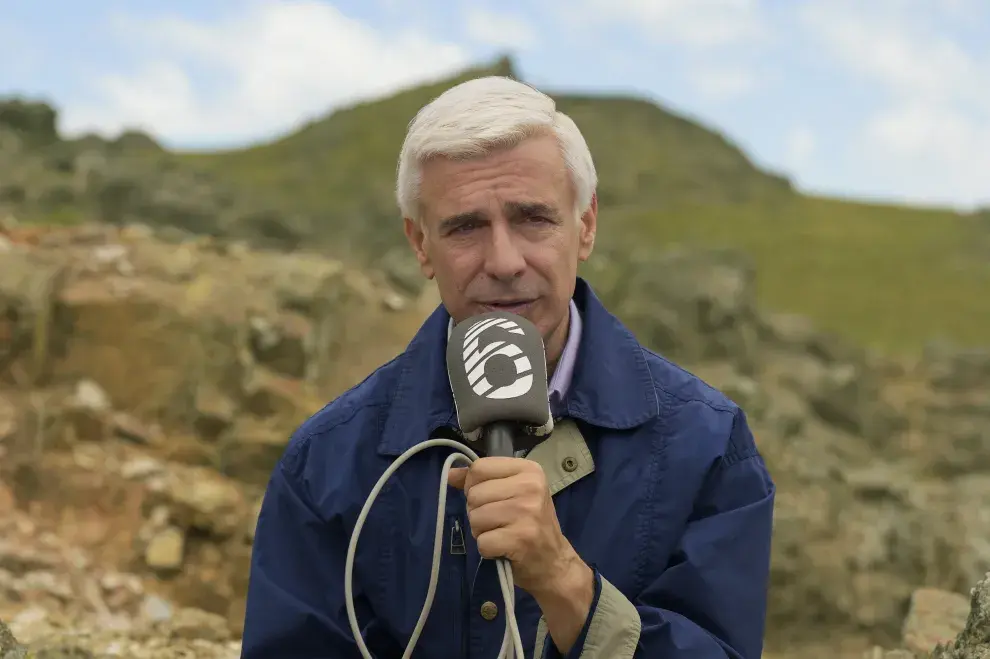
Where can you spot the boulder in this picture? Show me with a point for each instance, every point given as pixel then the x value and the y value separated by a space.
pixel 935 617
pixel 973 642
pixel 692 306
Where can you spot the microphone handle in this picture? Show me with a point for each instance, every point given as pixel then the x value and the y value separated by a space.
pixel 500 440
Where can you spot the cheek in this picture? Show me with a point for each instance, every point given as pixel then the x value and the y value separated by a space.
pixel 459 265
pixel 553 258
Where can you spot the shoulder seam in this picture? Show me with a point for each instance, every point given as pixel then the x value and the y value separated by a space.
pixel 708 403
pixel 289 460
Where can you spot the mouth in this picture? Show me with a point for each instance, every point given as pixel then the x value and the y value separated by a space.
pixel 518 307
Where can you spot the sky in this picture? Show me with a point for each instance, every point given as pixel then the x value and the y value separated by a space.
pixel 885 100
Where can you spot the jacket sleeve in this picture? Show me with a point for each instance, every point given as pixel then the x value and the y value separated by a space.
pixel 710 602
pixel 295 599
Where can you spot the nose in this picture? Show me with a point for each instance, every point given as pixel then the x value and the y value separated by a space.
pixel 504 259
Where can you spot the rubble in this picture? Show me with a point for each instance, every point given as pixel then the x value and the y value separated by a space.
pixel 148 388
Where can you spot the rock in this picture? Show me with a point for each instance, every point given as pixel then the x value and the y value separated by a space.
pixel 973 642
pixel 846 397
pixel 141 468
pixel 189 623
pixel 90 395
pixel 963 422
pixel 957 369
pixel 8 419
pixel 215 412
pixel 690 306
pixel 87 412
pixel 166 550
pixel 156 609
pixel 268 395
pixel 281 347
pixel 29 290
pixel 9 647
pixel 403 271
pixel 200 499
pixel 935 617
pixel 129 427
pixel 250 451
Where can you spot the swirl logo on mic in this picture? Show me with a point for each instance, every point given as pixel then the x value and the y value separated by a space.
pixel 497 369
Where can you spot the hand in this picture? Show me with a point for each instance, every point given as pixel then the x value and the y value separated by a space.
pixel 512 515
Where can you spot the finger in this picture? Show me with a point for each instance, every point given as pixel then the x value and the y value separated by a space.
pixel 485 469
pixel 457 477
pixel 492 516
pixel 491 491
pixel 497 543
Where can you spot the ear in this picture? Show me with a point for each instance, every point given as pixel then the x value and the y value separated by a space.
pixel 588 229
pixel 417 240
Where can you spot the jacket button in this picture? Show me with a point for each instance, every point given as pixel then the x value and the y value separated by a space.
pixel 569 464
pixel 489 610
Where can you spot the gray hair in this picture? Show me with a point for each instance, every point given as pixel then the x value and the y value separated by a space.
pixel 480 115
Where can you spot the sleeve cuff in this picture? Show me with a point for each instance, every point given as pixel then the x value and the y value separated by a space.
pixel 610 632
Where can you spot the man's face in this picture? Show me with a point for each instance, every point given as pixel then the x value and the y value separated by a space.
pixel 500 233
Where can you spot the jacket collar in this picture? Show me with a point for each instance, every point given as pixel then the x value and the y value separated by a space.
pixel 612 385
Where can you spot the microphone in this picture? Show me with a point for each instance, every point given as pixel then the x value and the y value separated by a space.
pixel 497 366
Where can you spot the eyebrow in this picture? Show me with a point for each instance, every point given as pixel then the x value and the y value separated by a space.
pixel 515 209
pixel 531 208
pixel 454 221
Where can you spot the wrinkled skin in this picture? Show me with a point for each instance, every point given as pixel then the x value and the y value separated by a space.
pixel 500 232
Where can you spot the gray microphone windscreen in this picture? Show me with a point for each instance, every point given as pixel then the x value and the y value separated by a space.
pixel 498 371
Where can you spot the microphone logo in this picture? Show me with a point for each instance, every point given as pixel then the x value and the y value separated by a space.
pixel 498 369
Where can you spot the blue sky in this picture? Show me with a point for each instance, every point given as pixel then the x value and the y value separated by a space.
pixel 886 99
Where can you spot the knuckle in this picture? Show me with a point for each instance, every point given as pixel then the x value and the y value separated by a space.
pixel 484 547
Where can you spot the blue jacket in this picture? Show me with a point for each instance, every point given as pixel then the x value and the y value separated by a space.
pixel 657 483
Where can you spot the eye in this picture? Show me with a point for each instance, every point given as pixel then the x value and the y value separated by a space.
pixel 462 228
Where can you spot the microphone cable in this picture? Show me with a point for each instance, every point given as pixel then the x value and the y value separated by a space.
pixel 511 641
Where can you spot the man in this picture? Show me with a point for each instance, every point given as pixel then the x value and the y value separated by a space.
pixel 640 528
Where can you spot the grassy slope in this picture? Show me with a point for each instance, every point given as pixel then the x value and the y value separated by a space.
pixel 886 276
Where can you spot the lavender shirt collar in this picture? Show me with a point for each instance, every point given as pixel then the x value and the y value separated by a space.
pixel 560 381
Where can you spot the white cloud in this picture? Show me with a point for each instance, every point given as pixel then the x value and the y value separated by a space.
pixel 933 127
pixel 266 68
pixel 694 23
pixel 499 29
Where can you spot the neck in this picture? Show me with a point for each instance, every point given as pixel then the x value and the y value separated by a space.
pixel 555 344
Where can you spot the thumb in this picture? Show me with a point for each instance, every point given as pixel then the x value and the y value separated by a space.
pixel 457 477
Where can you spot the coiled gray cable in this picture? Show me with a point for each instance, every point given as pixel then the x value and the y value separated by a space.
pixel 511 641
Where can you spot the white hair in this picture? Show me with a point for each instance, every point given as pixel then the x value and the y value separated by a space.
pixel 483 114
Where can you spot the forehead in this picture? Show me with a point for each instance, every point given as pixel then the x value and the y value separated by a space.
pixel 531 172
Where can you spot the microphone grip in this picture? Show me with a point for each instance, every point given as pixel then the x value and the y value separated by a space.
pixel 500 441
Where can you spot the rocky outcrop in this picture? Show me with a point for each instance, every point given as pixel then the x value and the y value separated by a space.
pixel 186 633
pixel 149 386
pixel 124 180
pixel 880 465
pixel 973 642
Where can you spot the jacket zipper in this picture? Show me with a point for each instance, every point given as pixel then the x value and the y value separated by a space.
pixel 457 546
pixel 458 566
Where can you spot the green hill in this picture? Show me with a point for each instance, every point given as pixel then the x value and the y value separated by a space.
pixel 890 277
pixel 887 276
pixel 340 170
